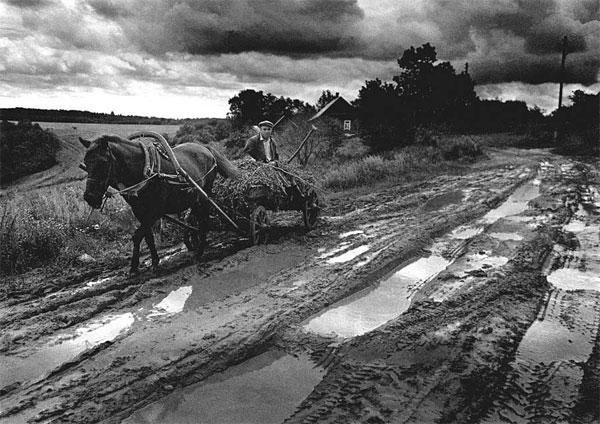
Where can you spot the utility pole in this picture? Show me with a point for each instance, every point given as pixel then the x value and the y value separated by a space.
pixel 562 71
pixel 561 77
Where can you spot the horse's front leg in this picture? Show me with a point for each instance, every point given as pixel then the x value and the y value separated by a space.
pixel 149 237
pixel 138 235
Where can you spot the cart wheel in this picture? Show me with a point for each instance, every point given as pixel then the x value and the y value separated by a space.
pixel 259 226
pixel 311 210
pixel 192 239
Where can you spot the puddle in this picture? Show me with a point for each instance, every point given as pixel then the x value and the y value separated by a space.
pixel 343 246
pixel 555 347
pixel 67 346
pixel 442 200
pixel 99 281
pixel 572 279
pixel 466 232
pixel 507 236
pixel 173 303
pixel 551 356
pixel 351 233
pixel 581 268
pixel 265 389
pixel 515 204
pixel 367 310
pixel 349 255
pixel 62 349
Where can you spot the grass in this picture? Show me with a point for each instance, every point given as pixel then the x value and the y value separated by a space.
pixel 55 226
pixel 402 165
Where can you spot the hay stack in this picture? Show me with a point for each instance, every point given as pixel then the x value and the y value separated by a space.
pixel 278 183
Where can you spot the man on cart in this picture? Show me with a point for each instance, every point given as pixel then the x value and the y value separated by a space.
pixel 262 147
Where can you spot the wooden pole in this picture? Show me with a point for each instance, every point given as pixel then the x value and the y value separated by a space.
pixel 313 128
pixel 561 77
pixel 562 71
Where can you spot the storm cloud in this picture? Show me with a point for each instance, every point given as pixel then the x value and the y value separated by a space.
pixel 508 40
pixel 296 46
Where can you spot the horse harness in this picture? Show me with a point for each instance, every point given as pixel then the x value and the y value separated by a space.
pixel 151 170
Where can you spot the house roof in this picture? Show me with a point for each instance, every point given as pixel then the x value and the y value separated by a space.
pixel 328 106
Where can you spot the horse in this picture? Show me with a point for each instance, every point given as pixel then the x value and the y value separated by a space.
pixel 123 164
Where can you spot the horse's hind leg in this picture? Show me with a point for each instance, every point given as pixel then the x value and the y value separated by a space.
pixel 201 212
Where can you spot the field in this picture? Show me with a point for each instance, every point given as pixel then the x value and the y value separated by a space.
pixel 455 283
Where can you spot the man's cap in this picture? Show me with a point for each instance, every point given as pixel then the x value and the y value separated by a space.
pixel 265 124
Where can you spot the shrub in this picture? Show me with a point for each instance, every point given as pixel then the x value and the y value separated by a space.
pixel 25 148
pixel 463 147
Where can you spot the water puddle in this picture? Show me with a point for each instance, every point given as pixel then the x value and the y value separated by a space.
pixel 349 255
pixel 515 204
pixel 173 303
pixel 368 309
pixel 63 349
pixel 265 389
pixel 466 232
pixel 552 353
pixel 507 236
pixel 351 233
pixel 550 356
pixel 442 200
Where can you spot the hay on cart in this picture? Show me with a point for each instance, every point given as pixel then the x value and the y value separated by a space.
pixel 276 187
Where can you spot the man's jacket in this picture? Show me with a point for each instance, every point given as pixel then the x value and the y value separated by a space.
pixel 255 148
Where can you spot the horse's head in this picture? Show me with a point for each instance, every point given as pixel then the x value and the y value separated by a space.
pixel 99 163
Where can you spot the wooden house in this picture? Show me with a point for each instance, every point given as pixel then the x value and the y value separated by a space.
pixel 340 110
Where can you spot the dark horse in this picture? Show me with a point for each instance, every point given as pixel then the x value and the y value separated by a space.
pixel 122 163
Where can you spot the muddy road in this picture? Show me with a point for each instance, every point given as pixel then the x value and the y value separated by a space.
pixel 462 298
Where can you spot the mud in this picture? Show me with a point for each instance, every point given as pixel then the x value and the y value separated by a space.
pixel 471 297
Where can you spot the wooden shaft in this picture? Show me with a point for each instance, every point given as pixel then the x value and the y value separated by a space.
pixel 301 144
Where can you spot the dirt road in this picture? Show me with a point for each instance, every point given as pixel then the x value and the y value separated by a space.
pixel 461 298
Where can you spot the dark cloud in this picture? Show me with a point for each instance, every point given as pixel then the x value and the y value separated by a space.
pixel 522 39
pixel 579 69
pixel 29 4
pixel 297 28
pixel 110 9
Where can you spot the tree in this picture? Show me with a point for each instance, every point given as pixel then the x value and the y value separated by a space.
pixel 250 107
pixel 430 92
pixel 379 111
pixel 326 97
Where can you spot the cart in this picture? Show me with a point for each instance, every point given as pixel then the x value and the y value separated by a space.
pixel 248 217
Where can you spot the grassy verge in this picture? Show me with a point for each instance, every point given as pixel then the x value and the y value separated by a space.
pixel 402 165
pixel 55 226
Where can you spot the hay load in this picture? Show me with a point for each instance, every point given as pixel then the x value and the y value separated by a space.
pixel 276 187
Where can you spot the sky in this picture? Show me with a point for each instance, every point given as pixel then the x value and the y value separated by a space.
pixel 187 58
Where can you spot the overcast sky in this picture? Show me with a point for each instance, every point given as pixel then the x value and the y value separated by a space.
pixel 187 58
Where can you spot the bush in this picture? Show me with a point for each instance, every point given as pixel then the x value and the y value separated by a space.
pixel 463 147
pixel 25 148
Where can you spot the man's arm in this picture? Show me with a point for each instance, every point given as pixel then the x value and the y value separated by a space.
pixel 249 147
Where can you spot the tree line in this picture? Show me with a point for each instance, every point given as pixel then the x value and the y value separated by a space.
pixel 78 116
pixel 426 93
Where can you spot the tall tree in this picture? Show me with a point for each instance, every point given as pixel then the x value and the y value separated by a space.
pixel 326 97
pixel 250 107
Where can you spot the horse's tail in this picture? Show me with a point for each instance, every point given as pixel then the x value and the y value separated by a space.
pixel 225 168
